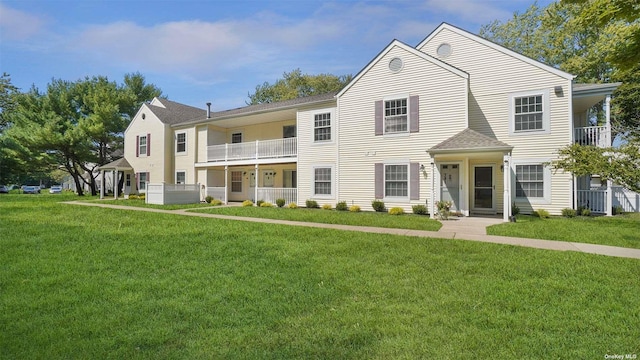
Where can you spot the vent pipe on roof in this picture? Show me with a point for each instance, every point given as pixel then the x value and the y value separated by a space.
pixel 208 110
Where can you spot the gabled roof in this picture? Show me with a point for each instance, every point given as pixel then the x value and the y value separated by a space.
pixel 494 46
pixel 400 44
pixel 175 113
pixel 120 164
pixel 470 141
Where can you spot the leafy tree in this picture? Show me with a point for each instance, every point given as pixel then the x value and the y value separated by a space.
pixel 7 98
pixel 294 84
pixel 619 165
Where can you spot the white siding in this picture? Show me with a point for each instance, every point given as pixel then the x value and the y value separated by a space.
pixel 443 113
pixel 159 163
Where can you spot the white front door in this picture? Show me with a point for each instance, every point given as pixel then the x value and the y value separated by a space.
pixel 450 184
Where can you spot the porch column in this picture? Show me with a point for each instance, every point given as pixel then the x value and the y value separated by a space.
pixel 506 197
pixel 257 182
pixel 115 184
pixel 101 184
pixel 432 193
pixel 226 180
pixel 607 112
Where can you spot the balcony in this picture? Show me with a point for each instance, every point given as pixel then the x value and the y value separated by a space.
pixel 255 150
pixel 592 135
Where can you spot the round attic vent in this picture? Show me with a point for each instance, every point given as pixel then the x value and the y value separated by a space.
pixel 395 64
pixel 444 50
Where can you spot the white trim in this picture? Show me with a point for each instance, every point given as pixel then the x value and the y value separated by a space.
pixel 384 118
pixel 494 46
pixel 185 152
pixel 233 132
pixel 175 177
pixel 146 146
pixel 313 182
pixel 406 163
pixel 333 122
pixel 546 112
pixel 546 171
pixel 420 54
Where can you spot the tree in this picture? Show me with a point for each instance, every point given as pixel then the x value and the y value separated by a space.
pixel 7 98
pixel 619 165
pixel 77 126
pixel 294 84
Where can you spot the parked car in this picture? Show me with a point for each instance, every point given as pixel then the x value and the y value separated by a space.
pixel 14 187
pixel 4 189
pixel 31 189
pixel 55 189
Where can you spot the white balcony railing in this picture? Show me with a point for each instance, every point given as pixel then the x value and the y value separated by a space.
pixel 592 135
pixel 259 149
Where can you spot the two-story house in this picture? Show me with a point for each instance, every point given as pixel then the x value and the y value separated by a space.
pixel 456 118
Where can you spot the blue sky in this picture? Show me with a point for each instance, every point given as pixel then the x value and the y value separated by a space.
pixel 217 51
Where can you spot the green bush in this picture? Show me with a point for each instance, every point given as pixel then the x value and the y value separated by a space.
pixel 419 209
pixel 342 206
pixel 617 210
pixel 266 204
pixel 293 206
pixel 216 202
pixel 581 209
pixel 444 209
pixel 208 199
pixel 280 202
pixel 312 204
pixel 354 208
pixel 396 211
pixel 568 212
pixel 327 206
pixel 133 197
pixel 585 212
pixel 247 203
pixel 378 205
pixel 515 210
pixel 541 213
pixel 259 202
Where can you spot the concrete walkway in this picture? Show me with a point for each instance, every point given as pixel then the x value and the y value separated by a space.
pixel 468 228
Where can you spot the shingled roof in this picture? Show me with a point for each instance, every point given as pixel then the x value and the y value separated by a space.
pixel 175 113
pixel 470 141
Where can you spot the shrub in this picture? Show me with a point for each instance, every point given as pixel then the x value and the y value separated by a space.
pixel 396 211
pixel 617 210
pixel 142 196
pixel 247 203
pixel 133 197
pixel 266 204
pixel 515 210
pixel 354 208
pixel 586 212
pixel 342 206
pixel 327 206
pixel 216 202
pixel 568 212
pixel 293 206
pixel 541 213
pixel 444 209
pixel 259 202
pixel 419 209
pixel 312 204
pixel 378 205
pixel 581 209
pixel 280 202
pixel 208 199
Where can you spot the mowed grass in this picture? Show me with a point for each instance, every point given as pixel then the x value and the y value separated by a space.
pixel 79 282
pixel 620 230
pixel 384 220
pixel 142 204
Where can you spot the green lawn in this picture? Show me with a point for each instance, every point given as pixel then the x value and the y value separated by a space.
pixel 141 203
pixel 406 221
pixel 93 283
pixel 621 230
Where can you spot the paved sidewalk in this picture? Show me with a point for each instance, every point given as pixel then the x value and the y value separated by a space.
pixel 473 229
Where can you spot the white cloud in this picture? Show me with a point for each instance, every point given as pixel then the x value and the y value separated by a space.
pixel 18 25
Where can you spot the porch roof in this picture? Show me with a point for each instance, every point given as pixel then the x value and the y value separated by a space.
pixel 469 140
pixel 120 164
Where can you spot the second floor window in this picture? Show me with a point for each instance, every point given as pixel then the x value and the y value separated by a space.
pixel 142 145
pixel 236 138
pixel 181 142
pixel 528 112
pixel 322 127
pixel 395 116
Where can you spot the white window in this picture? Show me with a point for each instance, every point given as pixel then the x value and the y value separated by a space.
pixel 396 181
pixel 236 181
pixel 396 116
pixel 181 142
pixel 236 138
pixel 142 179
pixel 529 112
pixel 142 146
pixel 322 127
pixel 181 177
pixel 322 181
pixel 530 181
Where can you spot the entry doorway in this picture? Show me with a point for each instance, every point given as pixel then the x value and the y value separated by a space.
pixel 450 185
pixel 483 188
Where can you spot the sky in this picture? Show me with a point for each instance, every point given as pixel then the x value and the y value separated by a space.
pixel 200 51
